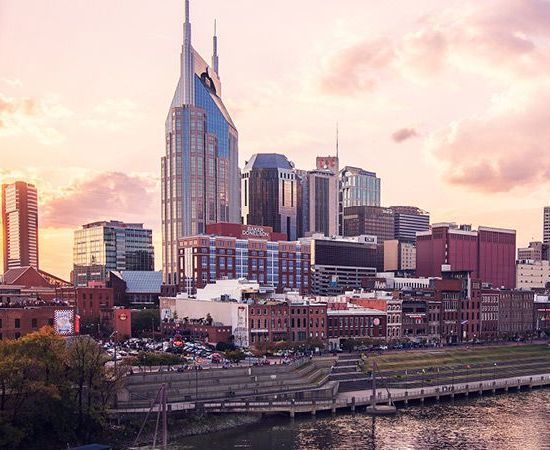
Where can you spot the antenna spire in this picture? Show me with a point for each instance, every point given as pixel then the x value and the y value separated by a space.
pixel 186 11
pixel 336 139
pixel 215 60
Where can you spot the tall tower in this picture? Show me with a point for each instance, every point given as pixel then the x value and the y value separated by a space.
pixel 200 174
pixel 215 59
pixel 20 225
pixel 546 225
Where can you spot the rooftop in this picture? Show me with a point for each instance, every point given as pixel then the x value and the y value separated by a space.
pixel 268 161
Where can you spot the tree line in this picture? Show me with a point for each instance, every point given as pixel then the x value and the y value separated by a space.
pixel 53 391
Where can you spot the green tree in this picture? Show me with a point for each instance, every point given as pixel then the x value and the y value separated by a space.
pixel 144 320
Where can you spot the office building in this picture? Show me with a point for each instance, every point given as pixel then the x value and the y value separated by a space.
pixel 369 220
pixel 20 225
pixel 488 253
pixel 358 187
pixel 255 253
pixel 322 202
pixel 399 256
pixel 532 274
pixel 409 220
pixel 101 247
pixel 269 193
pixel 546 225
pixel 200 173
pixel 340 264
pixel 536 251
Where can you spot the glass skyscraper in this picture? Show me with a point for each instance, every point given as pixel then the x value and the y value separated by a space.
pixel 200 172
pixel 101 247
pixel 358 187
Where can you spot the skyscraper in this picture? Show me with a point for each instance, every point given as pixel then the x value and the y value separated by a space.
pixel 270 193
pixel 546 227
pixel 20 225
pixel 101 247
pixel 409 220
pixel 358 187
pixel 200 172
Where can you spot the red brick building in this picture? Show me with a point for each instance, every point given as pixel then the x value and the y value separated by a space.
pixel 515 309
pixel 488 253
pixel 244 251
pixel 355 323
pixel 291 321
pixel 19 320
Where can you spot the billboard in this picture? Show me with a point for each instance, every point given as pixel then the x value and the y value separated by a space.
pixel 63 321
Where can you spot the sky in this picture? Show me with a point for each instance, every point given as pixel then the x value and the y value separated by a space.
pixel 447 101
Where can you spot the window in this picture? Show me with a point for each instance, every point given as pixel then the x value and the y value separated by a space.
pixel 34 323
pixel 17 323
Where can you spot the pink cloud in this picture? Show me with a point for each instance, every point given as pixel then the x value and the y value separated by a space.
pixel 503 40
pixel 403 134
pixel 109 195
pixel 505 148
pixel 355 68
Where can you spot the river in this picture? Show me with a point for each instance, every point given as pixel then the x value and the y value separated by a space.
pixel 506 421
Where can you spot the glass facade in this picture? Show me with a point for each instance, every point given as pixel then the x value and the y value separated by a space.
pixel 110 246
pixel 358 187
pixel 200 173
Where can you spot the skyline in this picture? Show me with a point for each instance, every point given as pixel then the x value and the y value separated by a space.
pixel 400 77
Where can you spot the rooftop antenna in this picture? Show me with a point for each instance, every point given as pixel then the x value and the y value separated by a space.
pixel 336 139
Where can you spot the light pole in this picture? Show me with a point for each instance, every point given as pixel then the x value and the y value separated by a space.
pixel 453 379
pixel 114 333
pixel 494 371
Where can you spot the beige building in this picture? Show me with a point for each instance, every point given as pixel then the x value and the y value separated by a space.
pixel 532 274
pixel 399 256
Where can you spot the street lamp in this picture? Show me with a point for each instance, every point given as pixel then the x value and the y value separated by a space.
pixel 494 371
pixel 114 343
pixel 453 379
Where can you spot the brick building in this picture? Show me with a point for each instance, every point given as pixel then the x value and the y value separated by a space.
pixel 515 311
pixel 488 253
pixel 255 253
pixel 355 323
pixel 292 321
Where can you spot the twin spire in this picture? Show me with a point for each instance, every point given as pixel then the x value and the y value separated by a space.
pixel 215 59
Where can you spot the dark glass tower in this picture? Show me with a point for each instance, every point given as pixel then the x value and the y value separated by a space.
pixel 200 173
pixel 269 193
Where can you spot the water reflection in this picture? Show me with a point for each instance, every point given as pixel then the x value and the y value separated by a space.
pixel 516 421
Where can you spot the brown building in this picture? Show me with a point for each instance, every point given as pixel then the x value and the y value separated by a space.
pixel 20 225
pixel 369 220
pixel 308 321
pixel 515 311
pixel 355 323
pixel 196 331
pixel 23 317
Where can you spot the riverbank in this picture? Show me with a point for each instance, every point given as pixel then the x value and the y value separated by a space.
pixel 179 426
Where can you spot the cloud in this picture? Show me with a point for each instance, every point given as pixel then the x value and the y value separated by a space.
pixel 356 68
pixel 104 196
pixel 32 117
pixel 13 82
pixel 504 148
pixel 403 134
pixel 113 115
pixel 504 41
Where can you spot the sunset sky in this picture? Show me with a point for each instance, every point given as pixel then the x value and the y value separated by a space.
pixel 448 101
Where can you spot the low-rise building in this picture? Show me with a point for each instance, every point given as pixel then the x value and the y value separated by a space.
pixel 515 313
pixel 531 273
pixel 355 323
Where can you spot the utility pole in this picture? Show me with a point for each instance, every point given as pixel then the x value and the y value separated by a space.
pixel 164 419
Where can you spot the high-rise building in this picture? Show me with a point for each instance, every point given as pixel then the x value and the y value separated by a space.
pixel 269 193
pixel 546 226
pixel 20 225
pixel 488 253
pixel 409 220
pixel 371 220
pixel 322 202
pixel 101 247
pixel 358 187
pixel 340 264
pixel 200 173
